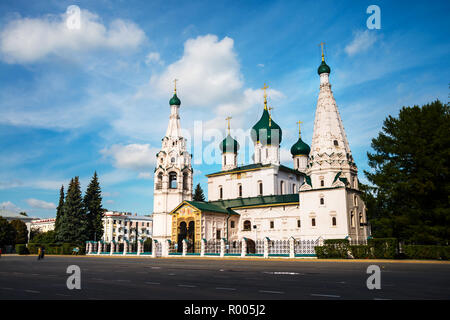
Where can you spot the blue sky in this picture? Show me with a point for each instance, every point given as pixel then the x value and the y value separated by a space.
pixel 72 102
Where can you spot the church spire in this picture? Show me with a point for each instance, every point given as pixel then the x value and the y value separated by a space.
pixel 330 151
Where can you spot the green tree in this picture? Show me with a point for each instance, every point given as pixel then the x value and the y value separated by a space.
pixel 59 215
pixel 21 231
pixel 44 237
pixel 94 211
pixel 73 226
pixel 410 175
pixel 198 193
pixel 7 233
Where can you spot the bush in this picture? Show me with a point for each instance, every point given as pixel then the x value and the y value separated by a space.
pixel 55 248
pixel 383 248
pixel 361 252
pixel 333 248
pixel 22 249
pixel 427 252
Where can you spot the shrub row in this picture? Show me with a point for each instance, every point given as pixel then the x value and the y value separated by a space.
pixel 427 252
pixel 22 249
pixel 381 248
pixel 55 248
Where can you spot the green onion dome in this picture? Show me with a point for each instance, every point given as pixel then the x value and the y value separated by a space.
pixel 229 145
pixel 174 101
pixel 300 148
pixel 266 130
pixel 323 68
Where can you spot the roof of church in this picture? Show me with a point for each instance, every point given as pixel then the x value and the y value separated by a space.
pixel 254 166
pixel 229 145
pixel 175 100
pixel 266 129
pixel 259 201
pixel 207 206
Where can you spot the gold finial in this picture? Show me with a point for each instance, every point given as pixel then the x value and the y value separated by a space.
pixel 299 130
pixel 175 81
pixel 265 95
pixel 321 44
pixel 228 119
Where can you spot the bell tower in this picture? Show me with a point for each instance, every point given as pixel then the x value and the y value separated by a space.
pixel 173 174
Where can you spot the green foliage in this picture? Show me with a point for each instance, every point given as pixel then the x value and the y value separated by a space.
pixel 198 193
pixel 7 233
pixel 94 211
pixel 44 237
pixel 333 249
pixel 383 248
pixel 411 176
pixel 427 252
pixel 55 248
pixel 59 214
pixel 148 245
pixel 361 252
pixel 21 231
pixel 73 223
pixel 22 249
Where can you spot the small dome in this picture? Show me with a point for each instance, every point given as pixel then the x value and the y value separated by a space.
pixel 174 101
pixel 323 68
pixel 229 145
pixel 265 130
pixel 300 148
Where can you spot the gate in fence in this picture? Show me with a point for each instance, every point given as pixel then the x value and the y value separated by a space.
pixel 212 247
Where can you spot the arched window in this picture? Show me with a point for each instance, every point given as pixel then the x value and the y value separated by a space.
pixel 240 190
pixel 293 188
pixel 159 181
pixel 247 225
pixel 322 183
pixel 282 187
pixel 220 192
pixel 186 181
pixel 313 222
pixel 172 160
pixel 173 180
pixel 336 143
pixel 322 201
pixel 352 219
pixel 224 160
pixel 260 188
pixel 333 221
pixel 360 219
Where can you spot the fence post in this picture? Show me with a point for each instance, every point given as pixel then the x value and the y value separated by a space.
pixel 111 252
pixel 266 247
pixel 202 248
pixel 125 248
pixel 89 247
pixel 291 247
pixel 222 247
pixel 154 244
pixel 184 247
pixel 165 248
pixel 139 248
pixel 99 248
pixel 244 247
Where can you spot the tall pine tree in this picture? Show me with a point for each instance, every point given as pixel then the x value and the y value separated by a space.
pixel 73 225
pixel 59 214
pixel 94 210
pixel 198 193
pixel 411 176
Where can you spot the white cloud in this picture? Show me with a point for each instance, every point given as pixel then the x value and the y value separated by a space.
pixel 9 206
pixel 109 201
pixel 286 156
pixel 25 40
pixel 132 156
pixel 145 175
pixel 361 42
pixel 153 57
pixel 40 204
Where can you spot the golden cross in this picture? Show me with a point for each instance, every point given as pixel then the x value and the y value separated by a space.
pixel 321 44
pixel 228 119
pixel 265 95
pixel 299 131
pixel 175 81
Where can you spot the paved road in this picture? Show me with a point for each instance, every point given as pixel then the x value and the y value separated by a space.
pixel 23 277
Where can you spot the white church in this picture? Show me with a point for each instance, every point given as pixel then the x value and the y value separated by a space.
pixel 318 197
